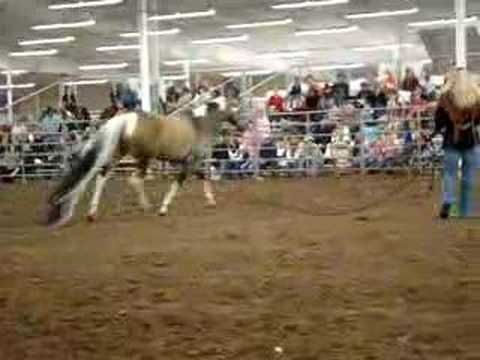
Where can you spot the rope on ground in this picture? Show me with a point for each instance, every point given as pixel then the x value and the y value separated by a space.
pixel 391 195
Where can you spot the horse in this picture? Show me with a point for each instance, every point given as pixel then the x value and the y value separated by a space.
pixel 183 139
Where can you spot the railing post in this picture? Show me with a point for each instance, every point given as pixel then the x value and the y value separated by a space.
pixel 308 124
pixel 362 142
pixel 419 141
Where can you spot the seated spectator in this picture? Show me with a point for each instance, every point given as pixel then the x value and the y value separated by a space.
pixel 367 95
pixel 276 103
pixel 237 157
pixel 389 83
pixel 312 98
pixel 428 86
pixel 341 89
pixel 296 94
pixel 410 82
pixel 268 154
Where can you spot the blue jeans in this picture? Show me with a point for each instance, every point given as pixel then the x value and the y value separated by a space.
pixel 450 178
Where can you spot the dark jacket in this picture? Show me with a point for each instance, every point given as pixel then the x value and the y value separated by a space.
pixel 458 126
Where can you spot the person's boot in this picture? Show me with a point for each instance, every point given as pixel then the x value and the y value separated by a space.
pixel 445 211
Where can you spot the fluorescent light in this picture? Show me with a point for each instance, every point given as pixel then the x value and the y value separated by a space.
pixel 87 82
pixel 178 15
pixel 17 86
pixel 34 53
pixel 283 55
pixel 248 72
pixel 83 4
pixel 103 66
pixel 338 67
pixel 261 24
pixel 152 33
pixel 441 22
pixel 307 4
pixel 385 13
pixel 118 47
pixel 327 31
pixel 14 72
pixel 222 40
pixel 382 47
pixel 183 62
pixel 61 40
pixel 174 77
pixel 426 62
pixel 70 25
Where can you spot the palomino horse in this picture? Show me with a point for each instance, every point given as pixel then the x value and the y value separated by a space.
pixel 144 137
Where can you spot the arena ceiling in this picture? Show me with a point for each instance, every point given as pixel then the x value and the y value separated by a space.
pixel 18 16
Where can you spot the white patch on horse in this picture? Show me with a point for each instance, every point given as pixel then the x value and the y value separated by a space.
pixel 132 122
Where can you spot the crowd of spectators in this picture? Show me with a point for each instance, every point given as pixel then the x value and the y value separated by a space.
pixel 306 126
pixel 312 124
pixel 42 144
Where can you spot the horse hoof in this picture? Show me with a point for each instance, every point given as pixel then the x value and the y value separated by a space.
pixel 212 204
pixel 91 218
pixel 163 213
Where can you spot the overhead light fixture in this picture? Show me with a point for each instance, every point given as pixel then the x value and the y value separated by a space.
pixel 248 72
pixel 308 4
pixel 221 40
pixel 385 13
pixel 49 52
pixel 261 24
pixel 179 15
pixel 283 55
pixel 391 47
pixel 426 62
pixel 70 25
pixel 338 67
pixel 441 22
pixel 84 4
pixel 152 33
pixel 118 47
pixel 87 82
pixel 183 62
pixel 61 40
pixel 103 66
pixel 17 86
pixel 327 31
pixel 174 77
pixel 14 72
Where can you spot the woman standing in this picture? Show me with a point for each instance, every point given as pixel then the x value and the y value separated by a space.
pixel 457 118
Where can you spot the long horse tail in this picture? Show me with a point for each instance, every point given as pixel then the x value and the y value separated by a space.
pixel 97 153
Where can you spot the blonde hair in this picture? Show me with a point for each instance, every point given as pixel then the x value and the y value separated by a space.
pixel 463 89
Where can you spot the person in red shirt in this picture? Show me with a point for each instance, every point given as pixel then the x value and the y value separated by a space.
pixel 276 103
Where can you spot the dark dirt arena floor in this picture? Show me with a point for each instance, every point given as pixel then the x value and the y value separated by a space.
pixel 351 268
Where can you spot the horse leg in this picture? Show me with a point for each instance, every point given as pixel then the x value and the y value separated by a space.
pixel 136 181
pixel 177 184
pixel 208 190
pixel 101 180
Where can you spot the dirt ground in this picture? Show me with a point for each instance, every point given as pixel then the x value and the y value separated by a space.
pixel 351 268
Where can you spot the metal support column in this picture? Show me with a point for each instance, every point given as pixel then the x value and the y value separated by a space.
pixel 142 23
pixel 187 72
pixel 461 43
pixel 10 98
pixel 155 63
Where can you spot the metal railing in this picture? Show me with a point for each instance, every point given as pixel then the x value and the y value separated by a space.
pixel 303 143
